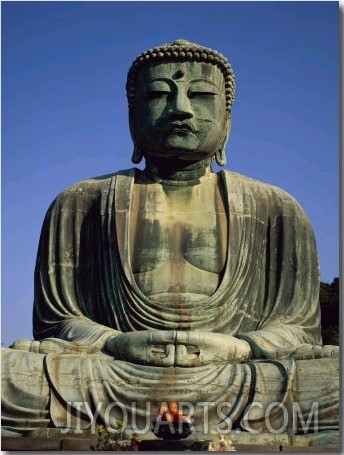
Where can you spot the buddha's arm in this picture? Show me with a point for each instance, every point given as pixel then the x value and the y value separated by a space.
pixel 77 329
pixel 69 288
pixel 85 331
pixel 276 339
pixel 290 312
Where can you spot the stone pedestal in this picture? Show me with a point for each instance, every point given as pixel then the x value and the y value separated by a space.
pixel 166 445
pixel 53 440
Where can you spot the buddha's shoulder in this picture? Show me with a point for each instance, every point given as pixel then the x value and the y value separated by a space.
pixel 96 185
pixel 260 191
pixel 91 190
pixel 242 182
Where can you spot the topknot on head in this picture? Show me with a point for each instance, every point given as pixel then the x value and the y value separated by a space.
pixel 181 50
pixel 180 42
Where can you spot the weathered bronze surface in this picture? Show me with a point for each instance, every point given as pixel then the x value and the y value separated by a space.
pixel 175 283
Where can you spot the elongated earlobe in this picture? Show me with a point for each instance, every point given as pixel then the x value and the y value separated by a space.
pixel 220 155
pixel 137 155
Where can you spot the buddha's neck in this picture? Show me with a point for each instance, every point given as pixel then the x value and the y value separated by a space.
pixel 177 171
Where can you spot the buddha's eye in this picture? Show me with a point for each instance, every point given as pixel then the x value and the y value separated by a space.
pixel 201 95
pixel 157 94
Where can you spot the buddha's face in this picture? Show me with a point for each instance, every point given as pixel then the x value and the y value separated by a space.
pixel 180 110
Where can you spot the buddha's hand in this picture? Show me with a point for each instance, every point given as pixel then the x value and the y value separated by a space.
pixel 145 347
pixel 203 348
pixel 178 348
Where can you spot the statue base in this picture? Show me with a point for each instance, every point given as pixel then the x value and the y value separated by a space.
pixel 52 439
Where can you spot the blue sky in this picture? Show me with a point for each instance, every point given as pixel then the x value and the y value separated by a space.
pixel 64 110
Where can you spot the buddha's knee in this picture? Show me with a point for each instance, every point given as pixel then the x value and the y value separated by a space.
pixel 316 392
pixel 23 378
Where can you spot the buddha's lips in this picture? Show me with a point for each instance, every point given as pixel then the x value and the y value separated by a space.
pixel 181 128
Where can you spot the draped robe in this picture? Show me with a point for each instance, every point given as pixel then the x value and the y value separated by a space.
pixel 85 292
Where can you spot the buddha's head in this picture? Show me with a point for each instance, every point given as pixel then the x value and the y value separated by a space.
pixel 180 97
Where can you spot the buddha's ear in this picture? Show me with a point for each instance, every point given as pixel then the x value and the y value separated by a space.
pixel 137 153
pixel 220 155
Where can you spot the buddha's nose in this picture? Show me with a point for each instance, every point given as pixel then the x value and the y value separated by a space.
pixel 180 105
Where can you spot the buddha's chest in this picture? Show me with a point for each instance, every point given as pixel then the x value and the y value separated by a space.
pixel 178 226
